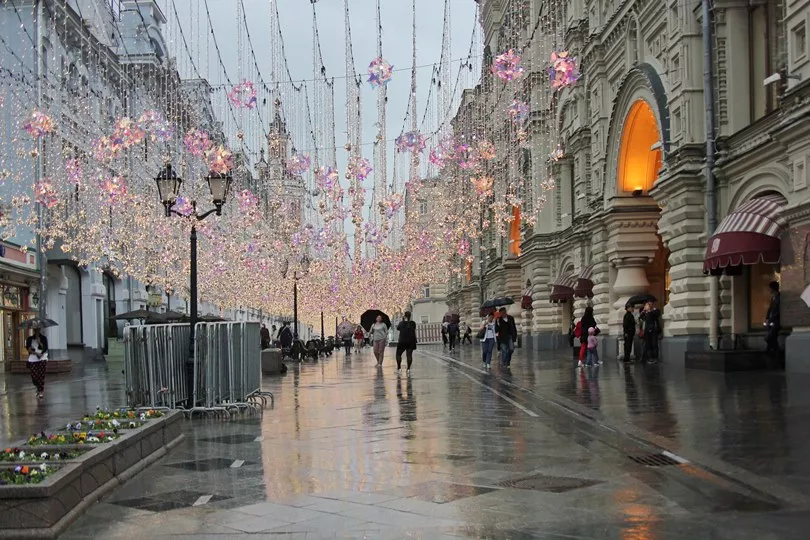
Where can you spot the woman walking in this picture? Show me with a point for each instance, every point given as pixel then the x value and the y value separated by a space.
pixel 359 338
pixel 37 346
pixel 379 339
pixel 586 323
pixel 406 342
pixel 487 335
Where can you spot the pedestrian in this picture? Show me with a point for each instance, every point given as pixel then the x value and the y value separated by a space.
pixel 452 334
pixel 506 333
pixel 379 339
pixel 445 337
pixel 467 334
pixel 37 346
pixel 629 331
pixel 265 336
pixel 585 324
pixel 274 335
pixel 406 342
pixel 773 319
pixel 285 336
pixel 487 336
pixel 592 357
pixel 651 331
pixel 359 338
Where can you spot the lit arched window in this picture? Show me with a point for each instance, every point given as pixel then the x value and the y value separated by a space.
pixel 640 157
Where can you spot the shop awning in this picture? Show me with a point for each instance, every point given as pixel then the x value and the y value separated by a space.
pixel 526 300
pixel 750 234
pixel 584 286
pixel 562 289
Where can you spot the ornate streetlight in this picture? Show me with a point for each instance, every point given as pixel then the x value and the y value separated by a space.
pixel 168 184
pixel 301 271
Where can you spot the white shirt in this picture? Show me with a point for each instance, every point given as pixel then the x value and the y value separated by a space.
pixel 32 358
pixel 379 331
pixel 490 331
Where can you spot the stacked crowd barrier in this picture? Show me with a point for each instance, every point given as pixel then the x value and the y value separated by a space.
pixel 227 367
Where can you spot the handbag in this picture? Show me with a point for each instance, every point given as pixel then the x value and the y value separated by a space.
pixel 481 333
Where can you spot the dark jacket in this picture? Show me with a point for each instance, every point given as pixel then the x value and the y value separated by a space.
pixel 652 321
pixel 452 329
pixel 588 322
pixel 285 336
pixel 43 343
pixel 774 316
pixel 506 330
pixel 407 335
pixel 629 324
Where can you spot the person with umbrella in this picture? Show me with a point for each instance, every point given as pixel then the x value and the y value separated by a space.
pixel 651 330
pixel 37 347
pixel 379 339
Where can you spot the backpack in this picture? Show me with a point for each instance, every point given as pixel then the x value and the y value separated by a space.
pixel 578 330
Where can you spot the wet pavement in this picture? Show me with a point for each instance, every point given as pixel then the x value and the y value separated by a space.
pixel 543 451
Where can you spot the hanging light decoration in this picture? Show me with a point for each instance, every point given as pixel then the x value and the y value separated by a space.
pixel 563 71
pixel 243 95
pixel 507 66
pixel 39 124
pixel 380 72
pixel 298 164
pixel 518 112
pixel 410 141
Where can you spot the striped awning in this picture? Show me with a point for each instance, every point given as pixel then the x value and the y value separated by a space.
pixel 526 300
pixel 562 289
pixel 750 234
pixel 584 286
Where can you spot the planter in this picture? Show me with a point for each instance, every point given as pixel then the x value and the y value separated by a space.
pixel 44 510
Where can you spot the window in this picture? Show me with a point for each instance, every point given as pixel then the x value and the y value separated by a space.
pixel 425 319
pixel 759 295
pixel 676 69
pixel 426 292
pixel 423 207
pixel 799 42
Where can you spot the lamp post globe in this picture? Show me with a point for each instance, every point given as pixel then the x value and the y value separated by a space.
pixel 219 184
pixel 168 185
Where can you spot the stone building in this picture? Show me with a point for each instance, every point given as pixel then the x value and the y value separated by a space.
pixel 632 204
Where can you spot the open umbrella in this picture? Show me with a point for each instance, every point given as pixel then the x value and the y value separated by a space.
pixel 346 329
pixel 38 323
pixel 134 315
pixel 210 318
pixel 370 317
pixel 640 299
pixel 171 316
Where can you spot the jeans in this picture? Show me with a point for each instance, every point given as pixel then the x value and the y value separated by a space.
pixel 467 338
pixel 347 344
pixel 487 347
pixel 453 340
pixel 507 349
pixel 592 357
pixel 650 347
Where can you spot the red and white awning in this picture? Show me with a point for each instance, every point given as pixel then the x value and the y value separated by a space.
pixel 750 234
pixel 584 285
pixel 562 289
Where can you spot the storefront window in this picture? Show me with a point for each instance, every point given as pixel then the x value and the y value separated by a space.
pixel 11 297
pixel 759 295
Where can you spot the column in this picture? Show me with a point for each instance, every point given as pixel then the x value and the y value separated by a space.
pixel 631 279
pixel 55 307
pixel 92 328
pixel 545 315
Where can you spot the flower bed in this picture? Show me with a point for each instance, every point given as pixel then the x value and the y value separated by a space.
pixel 29 456
pixel 24 474
pixel 124 414
pixel 88 424
pixel 75 437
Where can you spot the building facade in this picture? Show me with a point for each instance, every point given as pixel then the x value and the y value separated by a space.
pixel 113 56
pixel 631 208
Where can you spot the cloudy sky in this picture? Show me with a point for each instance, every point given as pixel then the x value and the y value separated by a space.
pixel 297 28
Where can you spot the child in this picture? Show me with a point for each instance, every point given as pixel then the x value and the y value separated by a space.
pixel 593 354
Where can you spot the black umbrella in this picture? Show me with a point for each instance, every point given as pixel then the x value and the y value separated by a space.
pixel 370 317
pixel 210 318
pixel 134 315
pixel 497 302
pixel 640 299
pixel 171 316
pixel 38 323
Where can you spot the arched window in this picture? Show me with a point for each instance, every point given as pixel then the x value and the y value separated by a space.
pixel 640 156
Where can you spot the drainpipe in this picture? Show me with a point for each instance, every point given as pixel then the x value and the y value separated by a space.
pixel 42 260
pixel 711 187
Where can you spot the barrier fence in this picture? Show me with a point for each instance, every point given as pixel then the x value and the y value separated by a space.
pixel 227 366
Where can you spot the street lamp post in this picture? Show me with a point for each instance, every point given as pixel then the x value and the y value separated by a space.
pixel 300 272
pixel 168 184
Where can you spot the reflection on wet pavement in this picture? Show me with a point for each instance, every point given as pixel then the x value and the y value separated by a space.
pixel 351 451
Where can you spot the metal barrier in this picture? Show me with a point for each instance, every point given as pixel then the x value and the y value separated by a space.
pixel 227 367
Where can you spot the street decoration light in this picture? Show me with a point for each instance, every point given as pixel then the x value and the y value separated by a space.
pixel 168 184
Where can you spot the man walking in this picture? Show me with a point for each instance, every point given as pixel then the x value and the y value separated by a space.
pixel 452 333
pixel 506 334
pixel 773 319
